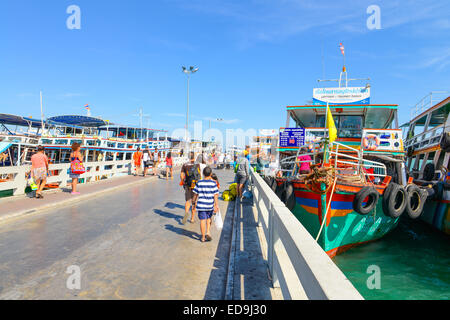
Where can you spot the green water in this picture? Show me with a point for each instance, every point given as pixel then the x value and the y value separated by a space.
pixel 414 262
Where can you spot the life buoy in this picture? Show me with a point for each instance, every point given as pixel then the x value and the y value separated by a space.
pixel 371 142
pixel 366 200
pixel 394 200
pixel 416 199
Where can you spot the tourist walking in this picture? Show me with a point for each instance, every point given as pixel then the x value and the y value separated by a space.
pixel 201 161
pixel 76 163
pixel 190 174
pixel 155 162
pixel 242 173
pixel 137 158
pixel 206 200
pixel 39 170
pixel 169 166
pixel 147 161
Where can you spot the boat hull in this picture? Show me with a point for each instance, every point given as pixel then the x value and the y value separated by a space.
pixel 344 227
pixel 437 213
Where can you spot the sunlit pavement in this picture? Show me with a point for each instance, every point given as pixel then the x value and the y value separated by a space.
pixel 128 244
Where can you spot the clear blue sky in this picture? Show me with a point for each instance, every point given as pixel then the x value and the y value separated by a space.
pixel 255 57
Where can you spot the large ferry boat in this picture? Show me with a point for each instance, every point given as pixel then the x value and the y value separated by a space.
pixel 356 189
pixel 20 136
pixel 428 149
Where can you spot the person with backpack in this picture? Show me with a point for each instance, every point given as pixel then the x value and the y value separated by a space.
pixel 190 174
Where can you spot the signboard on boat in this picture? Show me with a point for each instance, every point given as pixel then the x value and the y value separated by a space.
pixel 292 137
pixel 349 95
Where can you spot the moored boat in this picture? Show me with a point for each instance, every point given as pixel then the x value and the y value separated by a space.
pixel 357 188
pixel 428 150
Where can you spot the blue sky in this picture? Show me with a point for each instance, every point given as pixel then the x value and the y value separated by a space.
pixel 255 57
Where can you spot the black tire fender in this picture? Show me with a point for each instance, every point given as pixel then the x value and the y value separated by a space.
pixel 279 191
pixel 396 201
pixel 429 171
pixel 372 196
pixel 416 198
pixel 290 199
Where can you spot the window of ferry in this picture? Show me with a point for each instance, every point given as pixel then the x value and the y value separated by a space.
pixel 431 156
pixel 348 126
pixel 439 116
pixel 419 126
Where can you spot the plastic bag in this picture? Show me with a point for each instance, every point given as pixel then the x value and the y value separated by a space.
pixel 218 221
pixel 32 184
pixel 233 189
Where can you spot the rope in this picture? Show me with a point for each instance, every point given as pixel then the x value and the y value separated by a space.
pixel 328 209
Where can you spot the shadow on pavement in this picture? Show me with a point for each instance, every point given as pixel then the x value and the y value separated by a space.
pixel 183 232
pixel 172 205
pixel 169 215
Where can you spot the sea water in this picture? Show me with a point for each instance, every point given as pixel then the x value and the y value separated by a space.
pixel 412 262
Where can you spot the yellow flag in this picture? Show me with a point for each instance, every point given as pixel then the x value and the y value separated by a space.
pixel 331 126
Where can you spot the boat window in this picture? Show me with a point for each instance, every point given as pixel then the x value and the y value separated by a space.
pixel 90 142
pixel 439 116
pixel 121 145
pixel 419 166
pixel 431 157
pixel 111 144
pixel 61 141
pixel 46 141
pixel 348 126
pixel 419 126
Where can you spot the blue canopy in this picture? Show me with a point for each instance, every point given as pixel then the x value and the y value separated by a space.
pixel 83 121
pixel 19 121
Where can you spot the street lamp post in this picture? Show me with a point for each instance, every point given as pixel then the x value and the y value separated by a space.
pixel 188 72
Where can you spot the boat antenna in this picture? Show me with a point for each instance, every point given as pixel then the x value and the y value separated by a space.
pixel 42 114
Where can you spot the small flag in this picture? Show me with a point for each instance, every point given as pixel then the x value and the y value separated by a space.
pixel 342 49
pixel 87 107
pixel 331 126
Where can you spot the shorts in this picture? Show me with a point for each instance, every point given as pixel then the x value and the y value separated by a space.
pixel 148 164
pixel 241 179
pixel 74 176
pixel 188 193
pixel 205 215
pixel 40 173
pixel 169 167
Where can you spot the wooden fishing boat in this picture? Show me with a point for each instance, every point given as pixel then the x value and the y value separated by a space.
pixel 357 189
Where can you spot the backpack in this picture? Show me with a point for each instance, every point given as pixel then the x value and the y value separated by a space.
pixel 192 175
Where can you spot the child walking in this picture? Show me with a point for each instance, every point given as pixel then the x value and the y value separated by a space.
pixel 206 199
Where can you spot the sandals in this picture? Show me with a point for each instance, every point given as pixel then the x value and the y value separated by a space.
pixel 208 238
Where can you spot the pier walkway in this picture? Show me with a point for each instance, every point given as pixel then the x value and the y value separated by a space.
pixel 126 236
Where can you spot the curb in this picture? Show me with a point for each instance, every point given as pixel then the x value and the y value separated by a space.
pixel 29 212
pixel 229 288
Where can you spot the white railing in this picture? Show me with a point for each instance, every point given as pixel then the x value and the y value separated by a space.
pixel 297 264
pixel 59 173
pixel 428 101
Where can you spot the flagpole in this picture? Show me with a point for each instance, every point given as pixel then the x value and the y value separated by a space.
pixel 42 114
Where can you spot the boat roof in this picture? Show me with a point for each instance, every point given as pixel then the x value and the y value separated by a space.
pixel 116 127
pixel 436 106
pixel 82 121
pixel 376 115
pixel 11 119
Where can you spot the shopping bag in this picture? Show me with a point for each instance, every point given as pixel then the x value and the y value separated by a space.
pixel 218 221
pixel 32 184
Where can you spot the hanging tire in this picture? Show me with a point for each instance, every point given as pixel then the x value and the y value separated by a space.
pixel 396 200
pixel 429 171
pixel 274 185
pixel 279 191
pixel 291 201
pixel 416 199
pixel 360 204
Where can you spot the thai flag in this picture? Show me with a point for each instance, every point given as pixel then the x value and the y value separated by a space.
pixel 87 107
pixel 342 49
